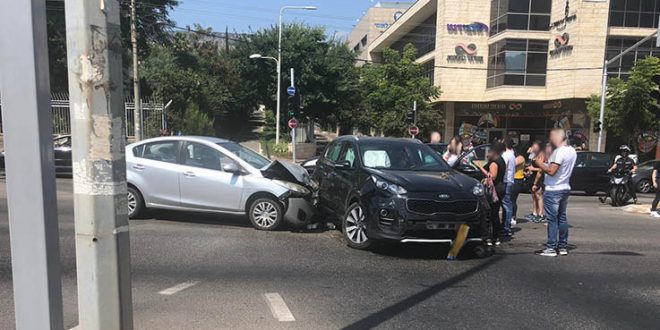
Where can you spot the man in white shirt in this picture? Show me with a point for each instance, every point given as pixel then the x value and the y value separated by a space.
pixel 507 202
pixel 557 189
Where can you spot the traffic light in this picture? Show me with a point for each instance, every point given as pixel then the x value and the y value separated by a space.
pixel 597 126
pixel 293 103
pixel 410 117
pixel 655 94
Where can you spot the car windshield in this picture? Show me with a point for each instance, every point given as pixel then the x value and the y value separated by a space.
pixel 401 156
pixel 246 154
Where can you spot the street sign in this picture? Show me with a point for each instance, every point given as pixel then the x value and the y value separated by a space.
pixel 291 91
pixel 413 130
pixel 293 123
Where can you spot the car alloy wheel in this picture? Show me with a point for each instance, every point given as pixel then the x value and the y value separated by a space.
pixel 355 228
pixel 644 186
pixel 265 214
pixel 132 203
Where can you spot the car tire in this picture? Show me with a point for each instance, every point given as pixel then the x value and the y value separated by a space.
pixel 644 186
pixel 354 228
pixel 135 203
pixel 266 214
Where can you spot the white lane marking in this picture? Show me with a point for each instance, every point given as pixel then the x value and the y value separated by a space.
pixel 177 288
pixel 278 307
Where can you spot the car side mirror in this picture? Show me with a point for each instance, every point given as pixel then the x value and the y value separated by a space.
pixel 231 168
pixel 465 168
pixel 343 164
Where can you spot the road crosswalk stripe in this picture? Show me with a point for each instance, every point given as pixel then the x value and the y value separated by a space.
pixel 278 307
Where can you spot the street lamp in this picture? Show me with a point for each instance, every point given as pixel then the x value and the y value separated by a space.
pixel 277 112
pixel 279 65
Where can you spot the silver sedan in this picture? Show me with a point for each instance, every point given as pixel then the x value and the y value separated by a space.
pixel 206 174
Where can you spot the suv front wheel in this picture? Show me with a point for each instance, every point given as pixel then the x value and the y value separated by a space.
pixel 354 228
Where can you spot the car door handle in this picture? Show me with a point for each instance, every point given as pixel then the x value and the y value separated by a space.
pixel 189 174
pixel 138 167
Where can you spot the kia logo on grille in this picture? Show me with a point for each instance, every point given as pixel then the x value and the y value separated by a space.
pixel 443 196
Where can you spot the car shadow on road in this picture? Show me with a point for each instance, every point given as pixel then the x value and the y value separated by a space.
pixel 387 313
pixel 197 218
pixel 424 251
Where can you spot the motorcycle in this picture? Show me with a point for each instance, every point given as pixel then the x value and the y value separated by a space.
pixel 619 191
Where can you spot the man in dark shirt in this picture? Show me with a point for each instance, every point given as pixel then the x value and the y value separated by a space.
pixel 625 164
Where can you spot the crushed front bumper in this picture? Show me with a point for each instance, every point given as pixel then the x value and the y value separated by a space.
pixel 389 218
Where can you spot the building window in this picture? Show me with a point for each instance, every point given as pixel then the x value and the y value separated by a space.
pixel 429 71
pixel 519 15
pixel 422 37
pixel 518 62
pixel 621 67
pixel 634 13
pixel 363 42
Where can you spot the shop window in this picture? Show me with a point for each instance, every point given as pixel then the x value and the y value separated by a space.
pixel 634 13
pixel 621 67
pixel 517 62
pixel 520 15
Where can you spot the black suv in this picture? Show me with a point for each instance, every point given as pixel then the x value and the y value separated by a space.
pixel 397 190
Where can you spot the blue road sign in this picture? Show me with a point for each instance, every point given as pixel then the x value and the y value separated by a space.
pixel 291 91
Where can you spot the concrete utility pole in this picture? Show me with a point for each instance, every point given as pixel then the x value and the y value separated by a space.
pixel 99 167
pixel 137 112
pixel 31 197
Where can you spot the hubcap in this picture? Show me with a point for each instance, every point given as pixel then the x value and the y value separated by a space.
pixel 645 187
pixel 355 226
pixel 132 203
pixel 265 214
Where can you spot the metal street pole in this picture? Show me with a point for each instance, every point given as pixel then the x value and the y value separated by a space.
pixel 31 193
pixel 279 66
pixel 137 112
pixel 293 130
pixel 604 81
pixel 99 167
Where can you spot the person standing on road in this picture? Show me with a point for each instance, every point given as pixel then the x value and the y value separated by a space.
pixel 557 190
pixel 518 180
pixel 435 137
pixel 507 203
pixel 454 149
pixel 533 152
pixel 655 177
pixel 495 171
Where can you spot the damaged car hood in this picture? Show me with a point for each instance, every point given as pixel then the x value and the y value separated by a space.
pixel 427 181
pixel 285 171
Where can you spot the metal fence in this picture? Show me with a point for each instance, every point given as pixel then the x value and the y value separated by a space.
pixel 152 116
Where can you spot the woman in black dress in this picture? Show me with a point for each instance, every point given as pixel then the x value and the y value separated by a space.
pixel 495 169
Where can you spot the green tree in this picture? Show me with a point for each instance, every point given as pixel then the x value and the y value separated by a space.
pixel 389 90
pixel 192 70
pixel 152 26
pixel 196 122
pixel 325 73
pixel 630 108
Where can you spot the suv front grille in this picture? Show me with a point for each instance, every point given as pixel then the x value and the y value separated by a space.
pixel 428 206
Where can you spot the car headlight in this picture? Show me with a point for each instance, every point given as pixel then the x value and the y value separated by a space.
pixel 294 187
pixel 387 186
pixel 478 190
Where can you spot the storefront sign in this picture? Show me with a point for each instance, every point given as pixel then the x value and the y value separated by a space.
pixel 552 105
pixel 561 45
pixel 381 25
pixel 465 53
pixel 398 15
pixel 564 21
pixel 472 27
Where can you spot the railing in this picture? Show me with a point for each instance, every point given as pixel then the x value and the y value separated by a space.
pixel 152 116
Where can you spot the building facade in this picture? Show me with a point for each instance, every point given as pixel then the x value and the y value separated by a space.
pixel 520 67
pixel 374 21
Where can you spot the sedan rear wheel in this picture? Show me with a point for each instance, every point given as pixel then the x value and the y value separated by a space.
pixel 265 214
pixel 354 228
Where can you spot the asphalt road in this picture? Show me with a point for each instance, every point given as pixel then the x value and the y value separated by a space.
pixel 196 271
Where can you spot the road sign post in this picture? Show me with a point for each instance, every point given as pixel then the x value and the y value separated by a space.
pixel 413 130
pixel 30 183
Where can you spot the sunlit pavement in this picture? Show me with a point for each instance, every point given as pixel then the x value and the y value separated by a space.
pixel 215 272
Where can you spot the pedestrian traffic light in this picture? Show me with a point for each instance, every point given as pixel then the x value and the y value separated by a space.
pixel 597 126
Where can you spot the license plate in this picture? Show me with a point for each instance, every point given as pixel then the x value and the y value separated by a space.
pixel 433 225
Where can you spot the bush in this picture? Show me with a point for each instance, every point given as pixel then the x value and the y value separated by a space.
pixel 196 122
pixel 280 150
